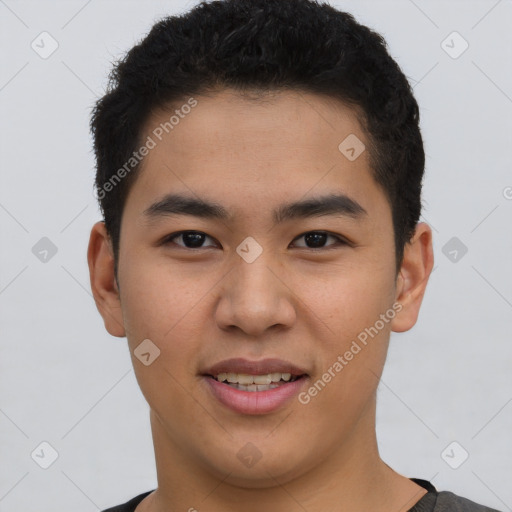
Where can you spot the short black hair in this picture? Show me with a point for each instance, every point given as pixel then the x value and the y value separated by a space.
pixel 263 45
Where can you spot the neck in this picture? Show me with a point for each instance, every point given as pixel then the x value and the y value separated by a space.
pixel 351 478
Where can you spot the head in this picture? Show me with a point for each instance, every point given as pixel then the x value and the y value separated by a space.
pixel 284 139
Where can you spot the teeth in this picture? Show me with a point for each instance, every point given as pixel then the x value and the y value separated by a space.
pixel 262 379
pixel 257 380
pixel 254 387
pixel 243 378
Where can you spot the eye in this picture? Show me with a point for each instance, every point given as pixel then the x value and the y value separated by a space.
pixel 317 240
pixel 195 240
pixel 189 239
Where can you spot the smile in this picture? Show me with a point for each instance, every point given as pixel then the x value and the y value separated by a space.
pixel 264 382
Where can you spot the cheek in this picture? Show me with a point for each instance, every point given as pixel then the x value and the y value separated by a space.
pixel 161 305
pixel 351 301
pixel 352 351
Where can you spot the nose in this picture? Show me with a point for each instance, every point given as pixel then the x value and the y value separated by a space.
pixel 255 297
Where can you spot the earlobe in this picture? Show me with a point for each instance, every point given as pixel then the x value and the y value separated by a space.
pixel 103 283
pixel 413 277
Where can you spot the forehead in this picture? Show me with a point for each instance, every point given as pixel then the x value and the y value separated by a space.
pixel 236 148
pixel 228 121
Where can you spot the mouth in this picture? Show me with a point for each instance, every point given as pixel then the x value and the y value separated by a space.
pixel 254 387
pixel 251 383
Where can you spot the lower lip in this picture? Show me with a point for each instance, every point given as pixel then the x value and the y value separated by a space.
pixel 255 402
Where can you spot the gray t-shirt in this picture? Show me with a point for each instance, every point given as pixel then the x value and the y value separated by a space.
pixel 433 501
pixel 444 501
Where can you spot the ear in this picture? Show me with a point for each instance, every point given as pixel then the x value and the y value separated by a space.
pixel 103 283
pixel 413 276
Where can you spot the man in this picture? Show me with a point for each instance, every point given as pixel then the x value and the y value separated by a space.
pixel 259 167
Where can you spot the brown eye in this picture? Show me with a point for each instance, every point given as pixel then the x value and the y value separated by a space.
pixel 318 239
pixel 189 239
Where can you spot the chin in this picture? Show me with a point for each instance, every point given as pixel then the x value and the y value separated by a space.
pixel 254 468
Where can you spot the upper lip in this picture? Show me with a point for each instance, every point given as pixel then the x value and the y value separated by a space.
pixel 261 367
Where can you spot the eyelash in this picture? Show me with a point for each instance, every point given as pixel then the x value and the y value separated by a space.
pixel 340 241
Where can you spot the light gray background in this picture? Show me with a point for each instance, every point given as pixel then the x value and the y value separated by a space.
pixel 65 381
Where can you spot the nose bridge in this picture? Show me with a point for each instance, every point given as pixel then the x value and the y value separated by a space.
pixel 253 297
pixel 254 285
pixel 255 279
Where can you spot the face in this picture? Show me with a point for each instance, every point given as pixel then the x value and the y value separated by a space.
pixel 277 265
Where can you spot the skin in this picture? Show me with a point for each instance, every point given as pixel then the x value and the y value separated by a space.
pixel 304 305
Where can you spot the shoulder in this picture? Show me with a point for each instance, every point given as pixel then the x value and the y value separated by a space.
pixel 449 502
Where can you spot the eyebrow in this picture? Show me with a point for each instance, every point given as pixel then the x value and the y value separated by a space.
pixel 333 204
